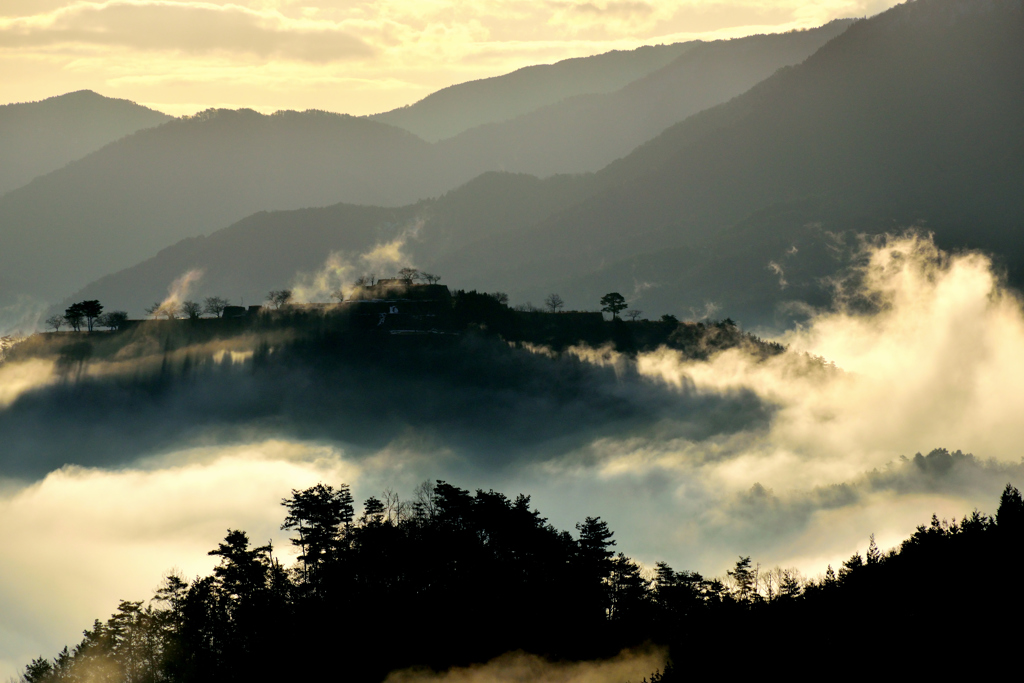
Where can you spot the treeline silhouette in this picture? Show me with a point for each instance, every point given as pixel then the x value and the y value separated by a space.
pixel 452 578
pixel 490 313
pixel 480 313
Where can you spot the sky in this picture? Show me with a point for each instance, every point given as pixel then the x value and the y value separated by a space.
pixel 345 56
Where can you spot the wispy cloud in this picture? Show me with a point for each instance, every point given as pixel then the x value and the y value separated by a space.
pixel 373 55
pixel 339 271
pixel 519 666
pixel 185 27
pixel 794 458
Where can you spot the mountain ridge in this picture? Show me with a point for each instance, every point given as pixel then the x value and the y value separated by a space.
pixel 457 108
pixel 197 174
pixel 47 134
pixel 866 136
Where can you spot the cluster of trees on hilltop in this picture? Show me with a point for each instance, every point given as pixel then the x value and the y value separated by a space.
pixel 451 578
pixel 88 313
pixel 491 312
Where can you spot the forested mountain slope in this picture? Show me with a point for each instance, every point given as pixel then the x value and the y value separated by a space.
pixel 587 132
pixel 189 177
pixel 911 117
pixel 266 250
pixel 582 133
pixel 39 137
pixel 457 108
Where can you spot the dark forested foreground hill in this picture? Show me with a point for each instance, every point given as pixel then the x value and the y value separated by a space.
pixel 195 175
pixel 39 137
pixel 450 578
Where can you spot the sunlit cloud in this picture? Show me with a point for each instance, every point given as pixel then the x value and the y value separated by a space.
pixel 76 542
pixel 17 378
pixel 355 57
pixel 920 352
pixel 185 27
pixel 519 666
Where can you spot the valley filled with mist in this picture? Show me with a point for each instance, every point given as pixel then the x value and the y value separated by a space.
pixel 555 375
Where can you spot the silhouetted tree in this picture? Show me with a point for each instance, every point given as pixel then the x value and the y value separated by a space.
pixel 91 310
pixel 242 570
pixel 424 501
pixel 633 313
pixel 1010 514
pixel 280 297
pixel 56 322
pixel 613 303
pixel 114 320
pixel 873 555
pixel 373 512
pixel 855 562
pixel 319 514
pixel 39 670
pixel 192 309
pixel 554 302
pixel 168 309
pixel 745 578
pixel 594 542
pixel 629 592
pixel 215 305
pixel 74 315
pixel 790 585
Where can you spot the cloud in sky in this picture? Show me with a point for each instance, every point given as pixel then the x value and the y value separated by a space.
pixel 79 538
pixel 350 56
pixel 183 27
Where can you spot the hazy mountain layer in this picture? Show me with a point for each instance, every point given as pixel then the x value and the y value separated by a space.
pixel 192 176
pixel 587 132
pixel 39 137
pixel 309 159
pixel 457 108
pixel 267 250
pixel 909 118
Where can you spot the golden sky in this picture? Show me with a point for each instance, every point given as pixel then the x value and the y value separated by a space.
pixel 182 56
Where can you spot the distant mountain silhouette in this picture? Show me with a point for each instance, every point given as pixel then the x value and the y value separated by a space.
pixel 457 108
pixel 911 117
pixel 266 250
pixel 39 137
pixel 228 164
pixel 587 132
pixel 192 176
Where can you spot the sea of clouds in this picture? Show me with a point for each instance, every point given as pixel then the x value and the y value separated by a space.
pixel 109 481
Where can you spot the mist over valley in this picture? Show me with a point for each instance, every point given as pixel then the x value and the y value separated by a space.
pixel 555 375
